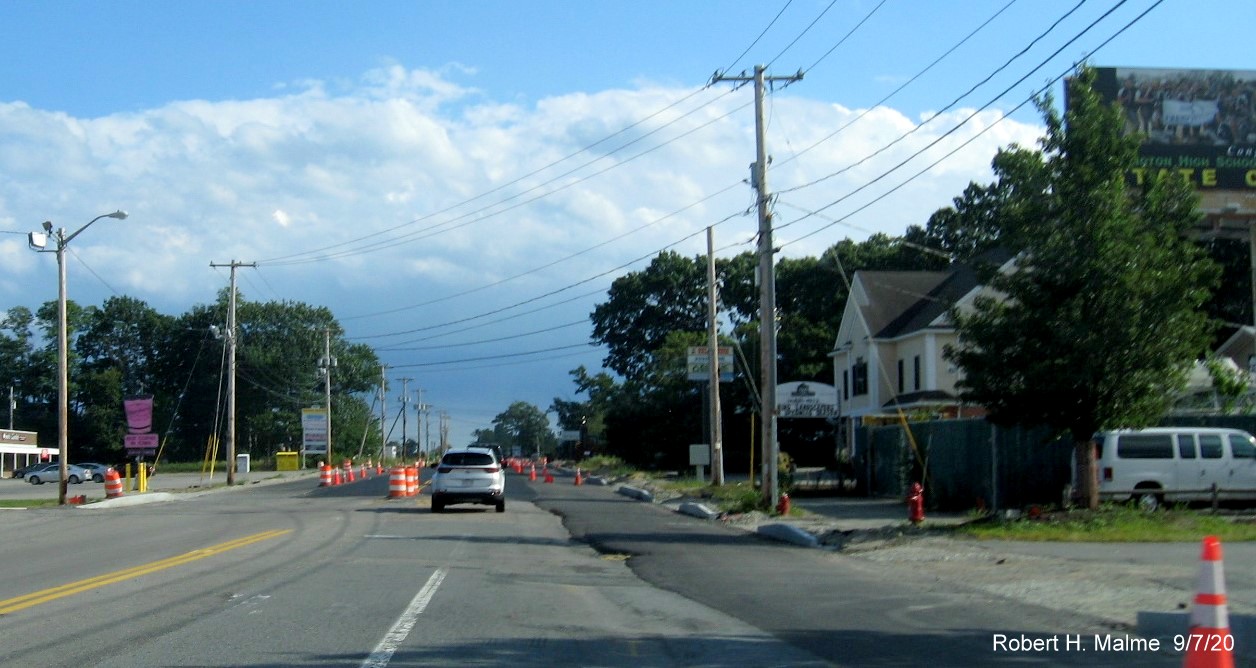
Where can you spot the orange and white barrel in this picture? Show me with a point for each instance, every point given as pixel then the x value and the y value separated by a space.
pixel 113 484
pixel 412 481
pixel 324 476
pixel 397 482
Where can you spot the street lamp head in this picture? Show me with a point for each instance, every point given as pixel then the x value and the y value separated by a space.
pixel 48 226
pixel 119 214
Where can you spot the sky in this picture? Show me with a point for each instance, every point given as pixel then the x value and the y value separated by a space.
pixel 461 181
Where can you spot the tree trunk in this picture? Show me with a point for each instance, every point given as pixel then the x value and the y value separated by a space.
pixel 1086 475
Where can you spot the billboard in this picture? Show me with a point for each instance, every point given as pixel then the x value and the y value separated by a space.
pixel 1198 124
pixel 698 363
pixel 314 431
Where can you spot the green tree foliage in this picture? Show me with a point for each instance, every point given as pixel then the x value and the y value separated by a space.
pixel 525 428
pixel 644 307
pixel 1101 320
pixel 125 348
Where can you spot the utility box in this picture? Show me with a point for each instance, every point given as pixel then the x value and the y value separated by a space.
pixel 242 464
pixel 287 461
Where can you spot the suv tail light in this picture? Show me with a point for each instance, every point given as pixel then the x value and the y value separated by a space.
pixel 493 469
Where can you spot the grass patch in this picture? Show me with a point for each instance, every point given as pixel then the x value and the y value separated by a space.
pixel 1115 524
pixel 27 503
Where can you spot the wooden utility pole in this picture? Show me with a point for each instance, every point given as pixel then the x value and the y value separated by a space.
pixel 713 358
pixel 327 363
pixel 231 368
pixel 767 284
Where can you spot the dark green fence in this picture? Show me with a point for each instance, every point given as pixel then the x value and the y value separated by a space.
pixel 969 464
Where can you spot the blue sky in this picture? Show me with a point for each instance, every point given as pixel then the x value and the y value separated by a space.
pixel 429 139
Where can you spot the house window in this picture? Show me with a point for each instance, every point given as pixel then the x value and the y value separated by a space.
pixel 845 384
pixel 900 376
pixel 916 371
pixel 859 377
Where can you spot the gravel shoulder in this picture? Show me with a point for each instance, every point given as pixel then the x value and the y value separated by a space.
pixel 1112 592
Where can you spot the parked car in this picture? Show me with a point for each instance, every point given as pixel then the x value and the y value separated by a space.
pixel 21 472
pixel 1153 466
pixel 51 472
pixel 97 470
pixel 473 475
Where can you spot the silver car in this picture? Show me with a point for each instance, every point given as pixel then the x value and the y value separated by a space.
pixel 96 471
pixel 469 476
pixel 51 472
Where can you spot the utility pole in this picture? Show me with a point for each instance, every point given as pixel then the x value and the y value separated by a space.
pixel 12 407
pixel 444 430
pixel 383 408
pixel 767 284
pixel 405 403
pixel 326 364
pixel 419 408
pixel 427 427
pixel 231 369
pixel 713 342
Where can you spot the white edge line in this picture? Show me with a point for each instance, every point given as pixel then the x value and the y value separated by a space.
pixel 401 628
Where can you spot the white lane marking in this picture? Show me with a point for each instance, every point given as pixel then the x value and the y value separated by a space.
pixel 401 628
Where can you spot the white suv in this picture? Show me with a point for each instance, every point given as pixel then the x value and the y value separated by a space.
pixel 474 475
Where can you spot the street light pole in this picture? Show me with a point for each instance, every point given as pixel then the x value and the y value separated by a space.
pixel 63 375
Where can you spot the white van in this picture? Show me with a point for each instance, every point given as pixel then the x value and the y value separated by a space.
pixel 1175 464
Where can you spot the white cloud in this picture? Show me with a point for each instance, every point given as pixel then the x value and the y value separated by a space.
pixel 448 191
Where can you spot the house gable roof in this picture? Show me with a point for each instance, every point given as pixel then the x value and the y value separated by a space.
pixel 903 302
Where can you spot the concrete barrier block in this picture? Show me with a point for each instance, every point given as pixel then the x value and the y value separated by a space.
pixel 697 510
pixel 636 493
pixel 789 534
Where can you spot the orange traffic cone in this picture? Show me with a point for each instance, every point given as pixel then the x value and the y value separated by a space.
pixel 1210 643
pixel 549 477
pixel 335 476
pixel 579 477
pixel 532 473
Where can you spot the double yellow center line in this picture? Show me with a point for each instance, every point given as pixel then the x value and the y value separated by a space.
pixel 54 593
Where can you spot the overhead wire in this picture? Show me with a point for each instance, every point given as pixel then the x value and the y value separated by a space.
pixel 1037 92
pixel 708 197
pixel 961 97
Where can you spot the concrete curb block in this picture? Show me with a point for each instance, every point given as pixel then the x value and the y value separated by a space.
pixel 136 499
pixel 697 510
pixel 636 493
pixel 789 534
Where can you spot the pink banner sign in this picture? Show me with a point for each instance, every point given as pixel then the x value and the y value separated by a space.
pixel 139 414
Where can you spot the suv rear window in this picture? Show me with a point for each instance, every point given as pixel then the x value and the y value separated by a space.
pixel 467 459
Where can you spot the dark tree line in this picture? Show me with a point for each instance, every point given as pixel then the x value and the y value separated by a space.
pixel 125 348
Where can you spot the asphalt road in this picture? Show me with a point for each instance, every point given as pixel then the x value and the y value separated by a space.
pixel 567 576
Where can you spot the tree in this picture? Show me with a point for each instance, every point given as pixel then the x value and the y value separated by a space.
pixel 644 307
pixel 1100 321
pixel 525 428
